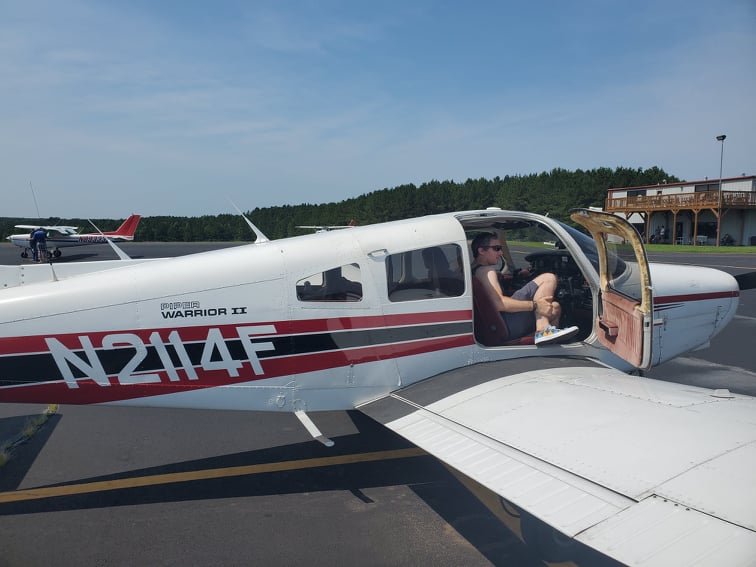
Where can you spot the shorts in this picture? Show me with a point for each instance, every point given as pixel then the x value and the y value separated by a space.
pixel 521 323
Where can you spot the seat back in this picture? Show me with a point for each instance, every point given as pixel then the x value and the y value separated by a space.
pixel 490 329
pixel 488 324
pixel 443 280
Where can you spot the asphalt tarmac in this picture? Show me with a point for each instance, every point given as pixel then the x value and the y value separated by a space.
pixel 125 486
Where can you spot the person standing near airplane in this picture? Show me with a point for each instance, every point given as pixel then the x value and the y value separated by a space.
pixel 530 308
pixel 33 245
pixel 39 244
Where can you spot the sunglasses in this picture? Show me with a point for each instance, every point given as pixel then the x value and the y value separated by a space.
pixel 497 247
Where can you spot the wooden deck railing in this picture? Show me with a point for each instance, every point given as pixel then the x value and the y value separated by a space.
pixel 700 200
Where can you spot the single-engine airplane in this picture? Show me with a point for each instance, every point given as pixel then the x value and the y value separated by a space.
pixel 386 319
pixel 63 236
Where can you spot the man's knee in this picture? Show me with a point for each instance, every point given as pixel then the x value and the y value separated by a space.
pixel 547 281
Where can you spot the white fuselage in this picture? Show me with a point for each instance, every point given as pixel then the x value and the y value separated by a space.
pixel 227 329
pixel 62 241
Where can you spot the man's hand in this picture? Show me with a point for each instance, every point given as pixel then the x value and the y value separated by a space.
pixel 521 274
pixel 544 306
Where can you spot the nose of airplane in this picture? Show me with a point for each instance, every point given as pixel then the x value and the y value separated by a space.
pixel 692 304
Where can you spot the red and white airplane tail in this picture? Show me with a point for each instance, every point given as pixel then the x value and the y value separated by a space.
pixel 127 229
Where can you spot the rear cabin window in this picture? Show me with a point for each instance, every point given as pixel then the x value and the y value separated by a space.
pixel 425 273
pixel 343 283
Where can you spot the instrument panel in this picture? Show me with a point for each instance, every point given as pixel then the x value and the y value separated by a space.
pixel 573 291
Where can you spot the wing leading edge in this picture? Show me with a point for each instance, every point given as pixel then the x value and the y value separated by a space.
pixel 646 472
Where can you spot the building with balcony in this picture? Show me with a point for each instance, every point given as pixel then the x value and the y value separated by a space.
pixel 690 212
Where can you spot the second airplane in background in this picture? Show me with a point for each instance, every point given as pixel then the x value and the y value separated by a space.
pixel 63 236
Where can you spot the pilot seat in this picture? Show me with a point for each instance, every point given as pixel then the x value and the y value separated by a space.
pixel 489 326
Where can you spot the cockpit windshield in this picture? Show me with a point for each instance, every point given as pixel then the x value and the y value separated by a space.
pixel 586 244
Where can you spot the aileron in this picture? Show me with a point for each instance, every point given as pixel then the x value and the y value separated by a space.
pixel 661 532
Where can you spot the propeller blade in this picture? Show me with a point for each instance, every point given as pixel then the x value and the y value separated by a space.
pixel 746 281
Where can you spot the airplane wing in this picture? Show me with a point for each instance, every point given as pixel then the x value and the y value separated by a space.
pixel 644 471
pixel 71 229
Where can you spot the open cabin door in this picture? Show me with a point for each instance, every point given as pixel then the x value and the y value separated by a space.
pixel 624 321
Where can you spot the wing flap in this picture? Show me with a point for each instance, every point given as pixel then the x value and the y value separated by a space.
pixel 639 469
pixel 539 487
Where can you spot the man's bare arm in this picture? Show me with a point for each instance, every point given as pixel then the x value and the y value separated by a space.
pixel 540 306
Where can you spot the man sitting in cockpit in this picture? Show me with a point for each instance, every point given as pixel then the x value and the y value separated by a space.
pixel 531 308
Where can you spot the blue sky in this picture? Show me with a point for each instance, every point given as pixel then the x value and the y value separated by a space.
pixel 180 107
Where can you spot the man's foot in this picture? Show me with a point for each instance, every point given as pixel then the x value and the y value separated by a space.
pixel 552 334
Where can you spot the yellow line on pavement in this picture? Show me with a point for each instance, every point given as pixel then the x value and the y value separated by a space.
pixel 101 486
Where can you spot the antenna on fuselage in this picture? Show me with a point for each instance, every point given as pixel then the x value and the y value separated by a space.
pixel 120 253
pixel 36 206
pixel 258 233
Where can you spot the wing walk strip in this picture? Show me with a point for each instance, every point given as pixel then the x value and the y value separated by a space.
pixel 209 474
pixel 655 531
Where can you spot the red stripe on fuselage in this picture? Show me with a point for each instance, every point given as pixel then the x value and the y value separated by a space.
pixel 36 343
pixel 695 297
pixel 88 392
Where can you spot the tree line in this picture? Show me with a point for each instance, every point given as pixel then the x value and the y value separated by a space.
pixel 554 192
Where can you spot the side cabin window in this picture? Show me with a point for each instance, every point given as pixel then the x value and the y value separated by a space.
pixel 425 273
pixel 343 283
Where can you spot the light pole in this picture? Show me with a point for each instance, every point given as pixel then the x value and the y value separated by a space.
pixel 720 138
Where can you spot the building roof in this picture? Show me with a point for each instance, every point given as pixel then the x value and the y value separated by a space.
pixel 684 183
